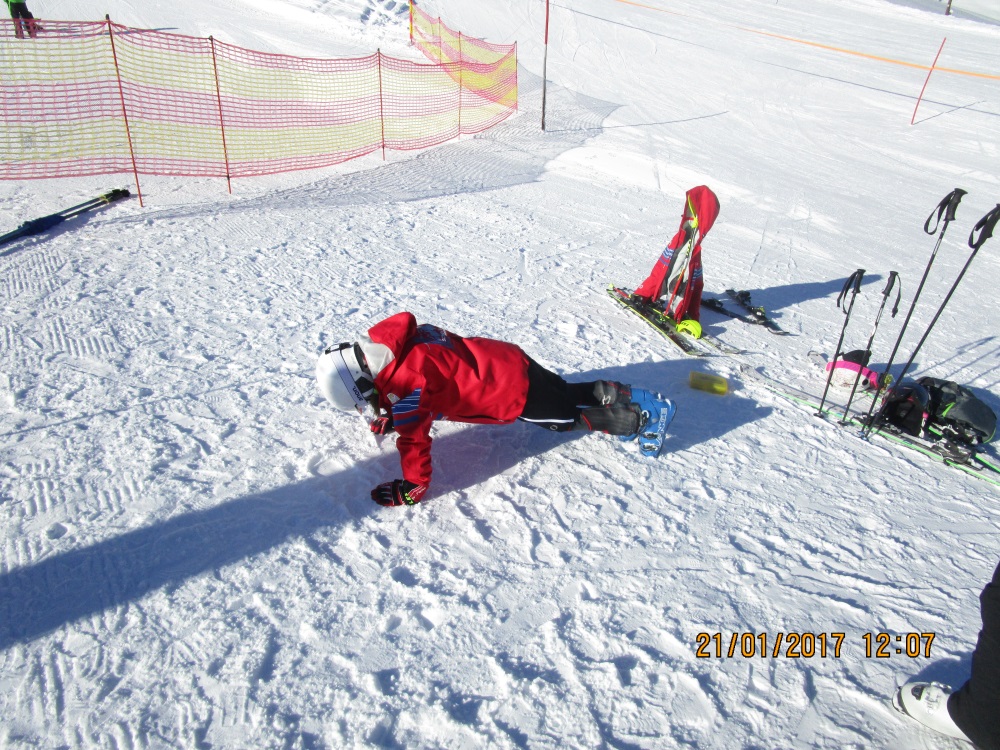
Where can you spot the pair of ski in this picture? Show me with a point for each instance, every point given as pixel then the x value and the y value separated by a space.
pixel 45 223
pixel 705 345
pixel 951 454
pixel 751 314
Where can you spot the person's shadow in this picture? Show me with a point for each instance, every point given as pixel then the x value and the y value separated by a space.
pixel 39 598
pixel 952 672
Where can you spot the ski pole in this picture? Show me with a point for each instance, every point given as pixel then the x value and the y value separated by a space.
pixel 985 228
pixel 855 279
pixel 945 211
pixel 893 276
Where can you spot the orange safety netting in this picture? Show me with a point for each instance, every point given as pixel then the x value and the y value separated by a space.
pixel 486 73
pixel 100 98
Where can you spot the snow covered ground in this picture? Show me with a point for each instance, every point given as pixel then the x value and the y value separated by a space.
pixel 188 554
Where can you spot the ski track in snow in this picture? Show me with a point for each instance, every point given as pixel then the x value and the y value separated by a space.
pixel 189 557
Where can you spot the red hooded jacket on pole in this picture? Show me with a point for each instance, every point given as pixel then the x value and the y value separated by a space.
pixel 704 205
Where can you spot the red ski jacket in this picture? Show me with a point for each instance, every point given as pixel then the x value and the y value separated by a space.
pixel 436 374
pixel 702 203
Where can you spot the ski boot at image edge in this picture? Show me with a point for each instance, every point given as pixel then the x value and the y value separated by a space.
pixel 927 702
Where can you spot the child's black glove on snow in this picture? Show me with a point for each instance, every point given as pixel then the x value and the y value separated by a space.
pixel 381 425
pixel 398 492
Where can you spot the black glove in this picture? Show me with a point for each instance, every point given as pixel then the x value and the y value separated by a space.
pixel 398 492
pixel 381 425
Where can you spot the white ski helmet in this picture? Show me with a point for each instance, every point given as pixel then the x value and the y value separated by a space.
pixel 344 379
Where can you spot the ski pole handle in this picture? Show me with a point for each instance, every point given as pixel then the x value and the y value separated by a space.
pixel 855 279
pixel 985 228
pixel 946 208
pixel 893 276
pixel 860 273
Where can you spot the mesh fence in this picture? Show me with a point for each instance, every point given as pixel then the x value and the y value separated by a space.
pixel 100 98
pixel 485 73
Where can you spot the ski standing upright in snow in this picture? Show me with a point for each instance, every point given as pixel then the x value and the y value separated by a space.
pixel 669 299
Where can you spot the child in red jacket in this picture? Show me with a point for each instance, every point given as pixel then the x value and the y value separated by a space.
pixel 403 376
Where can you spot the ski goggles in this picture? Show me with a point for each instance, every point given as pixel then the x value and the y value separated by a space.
pixel 348 361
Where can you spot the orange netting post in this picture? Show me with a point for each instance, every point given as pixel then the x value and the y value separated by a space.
pixel 460 68
pixel 222 123
pixel 926 81
pixel 121 94
pixel 381 102
pixel 545 62
pixel 514 82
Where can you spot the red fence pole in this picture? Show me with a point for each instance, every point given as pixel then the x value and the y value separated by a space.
pixel 121 95
pixel 927 80
pixel 545 60
pixel 222 124
pixel 517 100
pixel 461 66
pixel 381 106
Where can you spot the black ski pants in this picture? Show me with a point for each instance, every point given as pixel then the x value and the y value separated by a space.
pixel 975 707
pixel 23 20
pixel 552 402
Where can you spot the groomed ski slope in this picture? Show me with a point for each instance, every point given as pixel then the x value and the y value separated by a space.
pixel 188 554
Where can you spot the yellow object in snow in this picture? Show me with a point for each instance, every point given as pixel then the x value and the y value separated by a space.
pixel 702 381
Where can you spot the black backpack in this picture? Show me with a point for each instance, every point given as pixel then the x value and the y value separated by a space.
pixel 935 409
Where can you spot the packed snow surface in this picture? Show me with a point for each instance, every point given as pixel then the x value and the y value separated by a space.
pixel 189 557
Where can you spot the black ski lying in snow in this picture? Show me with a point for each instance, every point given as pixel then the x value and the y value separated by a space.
pixel 952 454
pixel 754 315
pixel 716 305
pixel 705 345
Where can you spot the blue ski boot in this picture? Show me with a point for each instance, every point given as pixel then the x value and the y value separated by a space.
pixel 657 414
